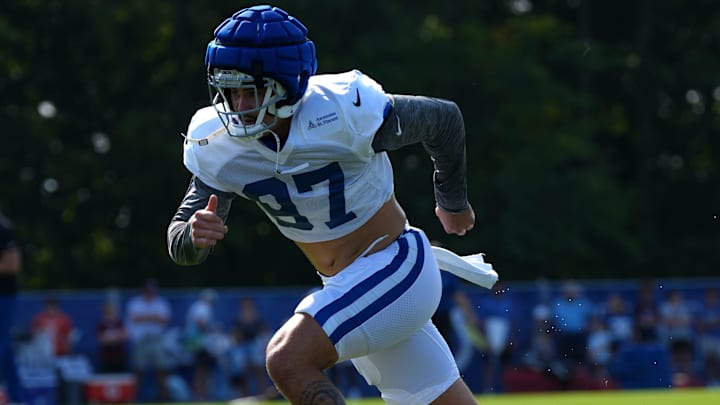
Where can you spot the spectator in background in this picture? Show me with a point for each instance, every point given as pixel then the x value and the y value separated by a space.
pixel 454 318
pixel 112 338
pixel 599 347
pixel 456 321
pixel 148 316
pixel 541 358
pixel 346 378
pixel 441 318
pixel 676 320
pixel 619 319
pixel 199 325
pixel 55 325
pixel 542 350
pixel 10 266
pixel 497 326
pixel 647 314
pixel 709 336
pixel 572 313
pixel 250 335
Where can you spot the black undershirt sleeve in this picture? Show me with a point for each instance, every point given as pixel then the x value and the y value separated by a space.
pixel 180 246
pixel 438 124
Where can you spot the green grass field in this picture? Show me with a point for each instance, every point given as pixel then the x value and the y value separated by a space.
pixel 664 397
pixel 661 397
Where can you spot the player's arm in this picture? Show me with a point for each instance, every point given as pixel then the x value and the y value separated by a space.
pixel 10 258
pixel 438 124
pixel 181 247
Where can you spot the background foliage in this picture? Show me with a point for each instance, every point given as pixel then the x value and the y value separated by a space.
pixel 592 132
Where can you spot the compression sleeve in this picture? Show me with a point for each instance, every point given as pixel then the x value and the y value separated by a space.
pixel 439 125
pixel 180 246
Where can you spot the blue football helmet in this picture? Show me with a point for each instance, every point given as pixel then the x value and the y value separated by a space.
pixel 259 47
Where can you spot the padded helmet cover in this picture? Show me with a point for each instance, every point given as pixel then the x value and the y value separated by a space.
pixel 265 42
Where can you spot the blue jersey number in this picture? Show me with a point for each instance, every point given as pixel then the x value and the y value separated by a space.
pixel 304 182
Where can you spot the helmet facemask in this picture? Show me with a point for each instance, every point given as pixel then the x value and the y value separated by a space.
pixel 247 124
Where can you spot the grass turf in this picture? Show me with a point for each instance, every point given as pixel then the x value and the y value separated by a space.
pixel 640 397
pixel 700 396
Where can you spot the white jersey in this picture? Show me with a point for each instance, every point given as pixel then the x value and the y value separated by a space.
pixel 142 307
pixel 326 181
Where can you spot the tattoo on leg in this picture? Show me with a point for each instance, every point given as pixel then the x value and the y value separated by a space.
pixel 321 393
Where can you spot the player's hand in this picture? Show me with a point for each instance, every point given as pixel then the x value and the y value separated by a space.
pixel 457 223
pixel 206 227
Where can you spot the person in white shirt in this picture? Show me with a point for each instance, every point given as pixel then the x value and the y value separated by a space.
pixel 198 326
pixel 148 316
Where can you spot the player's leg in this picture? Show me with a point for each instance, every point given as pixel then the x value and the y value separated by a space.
pixel 419 371
pixel 458 393
pixel 377 303
pixel 295 359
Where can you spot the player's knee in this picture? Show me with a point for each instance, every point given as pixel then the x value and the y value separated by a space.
pixel 279 360
pixel 298 347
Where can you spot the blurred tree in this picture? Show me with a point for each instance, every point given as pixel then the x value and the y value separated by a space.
pixel 592 132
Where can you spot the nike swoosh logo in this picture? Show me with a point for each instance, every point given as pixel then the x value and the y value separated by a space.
pixel 357 103
pixel 398 132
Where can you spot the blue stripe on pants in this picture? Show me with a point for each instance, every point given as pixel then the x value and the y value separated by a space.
pixel 368 284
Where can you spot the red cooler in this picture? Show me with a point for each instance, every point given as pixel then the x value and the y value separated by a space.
pixel 110 389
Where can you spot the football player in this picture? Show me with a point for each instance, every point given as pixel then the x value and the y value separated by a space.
pixel 311 150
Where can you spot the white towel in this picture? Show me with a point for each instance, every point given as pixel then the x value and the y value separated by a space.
pixel 471 268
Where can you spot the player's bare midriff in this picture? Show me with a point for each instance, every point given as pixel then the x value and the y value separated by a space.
pixel 330 257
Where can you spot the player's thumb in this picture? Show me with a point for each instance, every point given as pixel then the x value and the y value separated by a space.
pixel 212 203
